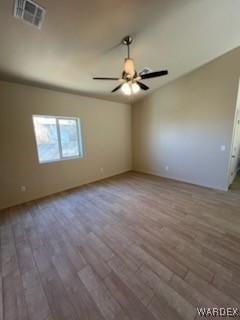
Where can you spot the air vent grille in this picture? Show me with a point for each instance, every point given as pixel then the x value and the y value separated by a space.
pixel 29 11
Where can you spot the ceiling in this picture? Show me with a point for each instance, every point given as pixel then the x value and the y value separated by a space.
pixel 80 39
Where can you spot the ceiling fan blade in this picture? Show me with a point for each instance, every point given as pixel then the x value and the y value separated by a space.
pixel 117 88
pixel 104 78
pixel 142 86
pixel 154 74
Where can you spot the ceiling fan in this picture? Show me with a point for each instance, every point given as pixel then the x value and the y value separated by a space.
pixel 130 80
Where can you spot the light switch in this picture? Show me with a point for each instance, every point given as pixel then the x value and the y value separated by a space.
pixel 223 147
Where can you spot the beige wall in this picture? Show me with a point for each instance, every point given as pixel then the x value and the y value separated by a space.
pixel 183 125
pixel 106 131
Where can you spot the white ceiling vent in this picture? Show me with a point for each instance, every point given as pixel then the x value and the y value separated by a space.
pixel 29 11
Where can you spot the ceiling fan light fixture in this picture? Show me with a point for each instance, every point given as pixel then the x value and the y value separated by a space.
pixel 135 87
pixel 130 87
pixel 126 89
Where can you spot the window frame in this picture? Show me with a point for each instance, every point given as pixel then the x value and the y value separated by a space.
pixel 79 138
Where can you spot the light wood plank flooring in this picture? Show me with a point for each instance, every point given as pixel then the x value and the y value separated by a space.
pixel 130 247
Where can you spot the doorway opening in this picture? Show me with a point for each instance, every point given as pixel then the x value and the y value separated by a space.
pixel 234 169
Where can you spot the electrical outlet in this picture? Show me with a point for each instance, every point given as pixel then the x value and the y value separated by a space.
pixel 166 168
pixel 223 147
pixel 23 188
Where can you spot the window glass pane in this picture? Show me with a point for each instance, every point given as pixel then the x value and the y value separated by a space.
pixel 47 138
pixel 69 137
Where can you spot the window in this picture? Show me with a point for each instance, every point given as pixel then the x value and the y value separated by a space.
pixel 57 138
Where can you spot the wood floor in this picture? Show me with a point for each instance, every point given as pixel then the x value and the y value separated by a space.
pixel 130 247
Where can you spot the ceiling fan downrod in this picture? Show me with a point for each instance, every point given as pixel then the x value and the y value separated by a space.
pixel 127 41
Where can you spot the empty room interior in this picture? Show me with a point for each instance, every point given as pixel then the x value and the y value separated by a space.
pixel 119 159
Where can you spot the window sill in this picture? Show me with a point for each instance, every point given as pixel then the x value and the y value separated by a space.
pixel 60 160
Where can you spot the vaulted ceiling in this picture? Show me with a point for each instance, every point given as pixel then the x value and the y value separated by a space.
pixel 80 39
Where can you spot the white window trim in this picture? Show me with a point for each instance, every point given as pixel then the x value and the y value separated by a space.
pixel 79 138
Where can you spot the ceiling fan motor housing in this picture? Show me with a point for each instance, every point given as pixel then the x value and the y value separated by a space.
pixel 129 67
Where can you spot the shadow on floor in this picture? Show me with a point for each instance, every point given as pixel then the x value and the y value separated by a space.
pixel 235 187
